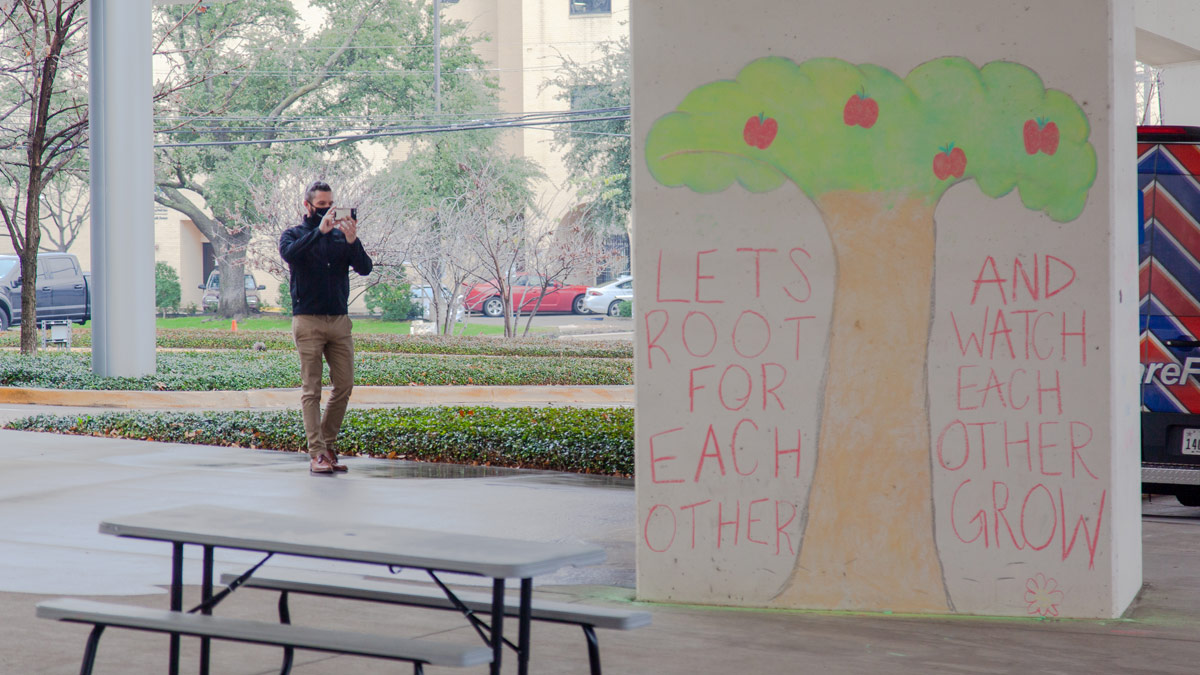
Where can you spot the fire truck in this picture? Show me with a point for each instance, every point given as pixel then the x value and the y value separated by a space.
pixel 1169 300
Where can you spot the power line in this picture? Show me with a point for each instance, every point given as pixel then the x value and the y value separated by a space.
pixel 420 46
pixel 330 49
pixel 282 125
pixel 469 114
pixel 393 133
pixel 234 72
pixel 581 131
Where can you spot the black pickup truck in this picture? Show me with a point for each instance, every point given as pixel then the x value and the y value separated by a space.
pixel 63 290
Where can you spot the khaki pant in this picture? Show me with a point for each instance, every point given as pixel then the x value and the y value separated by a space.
pixel 328 336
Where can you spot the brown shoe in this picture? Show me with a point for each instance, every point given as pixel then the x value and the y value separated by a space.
pixel 338 466
pixel 320 464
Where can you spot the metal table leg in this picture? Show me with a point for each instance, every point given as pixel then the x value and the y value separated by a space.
pixel 497 625
pixel 89 652
pixel 523 626
pixel 176 603
pixel 285 616
pixel 206 592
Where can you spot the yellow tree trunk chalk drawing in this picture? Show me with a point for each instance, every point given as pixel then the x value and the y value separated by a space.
pixel 875 152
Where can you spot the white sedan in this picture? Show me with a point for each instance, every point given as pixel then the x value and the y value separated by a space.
pixel 605 299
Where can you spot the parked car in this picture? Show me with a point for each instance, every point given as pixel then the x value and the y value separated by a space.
pixel 606 299
pixel 212 291
pixel 526 288
pixel 63 291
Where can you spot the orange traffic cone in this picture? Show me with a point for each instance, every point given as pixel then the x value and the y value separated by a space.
pixel 235 325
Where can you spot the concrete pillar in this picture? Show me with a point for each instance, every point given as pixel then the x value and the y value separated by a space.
pixel 122 189
pixel 1179 94
pixel 1168 37
pixel 887 355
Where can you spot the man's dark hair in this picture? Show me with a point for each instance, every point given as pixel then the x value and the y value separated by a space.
pixel 315 187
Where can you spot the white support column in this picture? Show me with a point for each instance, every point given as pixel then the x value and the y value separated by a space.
pixel 122 170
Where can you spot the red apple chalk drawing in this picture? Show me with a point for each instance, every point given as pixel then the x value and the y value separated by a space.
pixel 1041 135
pixel 951 161
pixel 861 110
pixel 1050 138
pixel 760 131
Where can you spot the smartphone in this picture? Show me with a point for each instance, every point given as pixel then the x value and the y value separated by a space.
pixel 339 213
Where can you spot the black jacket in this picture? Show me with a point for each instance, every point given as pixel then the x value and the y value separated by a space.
pixel 320 267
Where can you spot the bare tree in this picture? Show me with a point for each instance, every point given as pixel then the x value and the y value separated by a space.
pixel 42 124
pixel 556 255
pixel 278 195
pixel 68 209
pixel 495 232
pixel 438 250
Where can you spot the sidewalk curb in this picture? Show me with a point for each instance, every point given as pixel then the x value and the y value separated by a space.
pixel 290 398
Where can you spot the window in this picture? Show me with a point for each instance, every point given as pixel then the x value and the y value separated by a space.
pixel 591 6
pixel 59 267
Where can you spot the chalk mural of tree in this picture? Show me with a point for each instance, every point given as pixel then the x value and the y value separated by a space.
pixel 875 152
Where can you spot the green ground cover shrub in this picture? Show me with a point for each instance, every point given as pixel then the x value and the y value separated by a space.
pixel 373 342
pixel 584 440
pixel 239 371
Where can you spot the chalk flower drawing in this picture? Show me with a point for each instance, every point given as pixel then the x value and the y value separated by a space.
pixel 1042 595
pixel 875 165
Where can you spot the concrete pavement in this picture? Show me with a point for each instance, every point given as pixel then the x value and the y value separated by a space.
pixel 56 489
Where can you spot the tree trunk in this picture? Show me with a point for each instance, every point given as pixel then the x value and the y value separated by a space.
pixel 231 263
pixel 869 534
pixel 29 280
pixel 29 335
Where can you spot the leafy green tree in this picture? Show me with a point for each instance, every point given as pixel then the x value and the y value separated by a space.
pixel 166 287
pixel 875 152
pixel 597 154
pixel 446 167
pixel 393 301
pixel 285 298
pixel 367 69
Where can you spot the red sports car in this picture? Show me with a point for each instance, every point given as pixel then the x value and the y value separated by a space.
pixel 526 288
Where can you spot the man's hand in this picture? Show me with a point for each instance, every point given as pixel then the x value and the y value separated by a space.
pixel 349 227
pixel 327 223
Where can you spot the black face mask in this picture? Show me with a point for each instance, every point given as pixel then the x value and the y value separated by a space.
pixel 320 213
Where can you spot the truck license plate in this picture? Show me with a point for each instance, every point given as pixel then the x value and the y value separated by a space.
pixel 1191 441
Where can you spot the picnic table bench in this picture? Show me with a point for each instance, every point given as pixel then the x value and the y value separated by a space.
pixel 587 617
pixel 105 614
pixel 214 527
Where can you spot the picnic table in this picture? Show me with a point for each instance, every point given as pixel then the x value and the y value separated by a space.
pixel 500 559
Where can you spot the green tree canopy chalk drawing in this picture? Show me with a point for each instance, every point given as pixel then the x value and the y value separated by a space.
pixel 875 153
pixel 981 110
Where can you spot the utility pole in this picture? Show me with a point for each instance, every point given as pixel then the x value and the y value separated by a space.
pixel 437 56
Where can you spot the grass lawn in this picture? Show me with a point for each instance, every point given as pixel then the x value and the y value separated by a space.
pixel 281 323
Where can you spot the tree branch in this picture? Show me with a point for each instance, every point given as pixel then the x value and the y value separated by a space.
pixel 322 73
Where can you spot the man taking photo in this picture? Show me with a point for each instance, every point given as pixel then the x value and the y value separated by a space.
pixel 320 252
